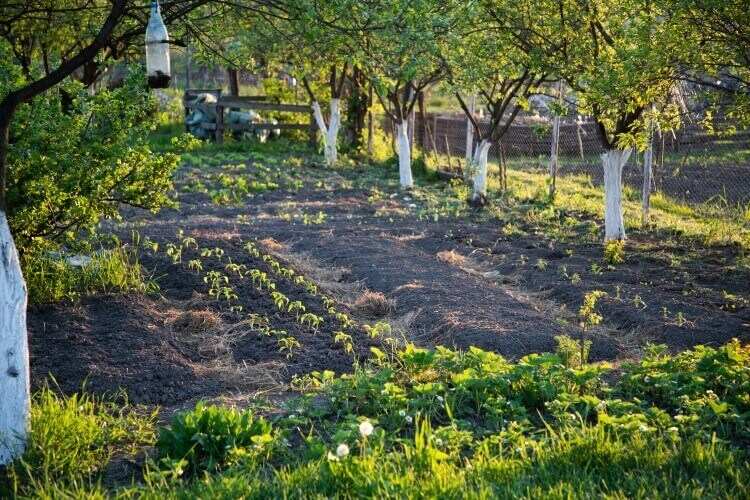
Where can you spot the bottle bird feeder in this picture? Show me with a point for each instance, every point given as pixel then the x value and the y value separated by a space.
pixel 157 50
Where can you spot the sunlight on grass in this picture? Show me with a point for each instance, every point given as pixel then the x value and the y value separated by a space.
pixel 710 223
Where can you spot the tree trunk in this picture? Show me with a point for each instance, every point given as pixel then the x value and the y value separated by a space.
pixel 370 124
pixel 555 146
pixel 470 131
pixel 357 108
pixel 14 353
pixel 234 82
pixel 329 132
pixel 613 161
pixel 479 163
pixel 404 155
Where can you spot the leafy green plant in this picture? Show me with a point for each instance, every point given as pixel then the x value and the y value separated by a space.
pixel 211 437
pixel 288 344
pixel 588 318
pixel 71 166
pixel 614 252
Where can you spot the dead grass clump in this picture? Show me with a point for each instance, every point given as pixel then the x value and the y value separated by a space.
pixel 271 245
pixel 373 304
pixel 202 335
pixel 451 257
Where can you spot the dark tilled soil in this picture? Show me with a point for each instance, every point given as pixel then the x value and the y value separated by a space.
pixel 498 297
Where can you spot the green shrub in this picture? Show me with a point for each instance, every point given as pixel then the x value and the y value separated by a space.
pixel 70 164
pixel 211 437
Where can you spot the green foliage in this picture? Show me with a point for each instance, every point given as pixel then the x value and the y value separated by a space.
pixel 73 438
pixel 448 424
pixel 614 252
pixel 50 278
pixel 211 437
pixel 453 424
pixel 71 165
pixel 572 353
pixel 587 312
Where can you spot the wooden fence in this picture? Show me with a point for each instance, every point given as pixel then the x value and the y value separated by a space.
pixel 257 103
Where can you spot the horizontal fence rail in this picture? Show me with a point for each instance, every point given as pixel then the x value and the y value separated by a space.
pixel 256 103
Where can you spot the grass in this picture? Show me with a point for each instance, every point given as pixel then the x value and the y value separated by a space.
pixel 417 423
pixel 72 441
pixel 711 223
pixel 51 278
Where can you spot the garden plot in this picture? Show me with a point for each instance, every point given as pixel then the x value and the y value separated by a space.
pixel 258 285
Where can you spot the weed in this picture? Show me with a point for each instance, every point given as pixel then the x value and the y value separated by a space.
pixel 210 437
pixel 614 252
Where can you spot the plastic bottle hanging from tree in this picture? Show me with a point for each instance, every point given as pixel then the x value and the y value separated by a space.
pixel 157 50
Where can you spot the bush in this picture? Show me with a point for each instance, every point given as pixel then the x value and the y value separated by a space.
pixel 614 252
pixel 74 158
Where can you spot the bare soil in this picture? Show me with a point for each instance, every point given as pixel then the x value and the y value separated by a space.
pixel 458 282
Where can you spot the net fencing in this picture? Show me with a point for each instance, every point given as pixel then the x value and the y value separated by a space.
pixel 690 164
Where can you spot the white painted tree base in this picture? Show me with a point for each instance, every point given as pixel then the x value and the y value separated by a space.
pixel 479 165
pixel 14 351
pixel 404 156
pixel 613 161
pixel 330 132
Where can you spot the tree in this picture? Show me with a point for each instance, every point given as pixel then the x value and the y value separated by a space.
pixel 486 62
pixel 718 56
pixel 396 44
pixel 619 57
pixel 49 42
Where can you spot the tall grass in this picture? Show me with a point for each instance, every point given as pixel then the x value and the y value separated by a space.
pixel 50 278
pixel 73 439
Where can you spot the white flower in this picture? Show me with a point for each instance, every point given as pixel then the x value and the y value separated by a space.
pixel 365 428
pixel 402 413
pixel 440 399
pixel 673 429
pixel 342 450
pixel 438 442
pixel 408 419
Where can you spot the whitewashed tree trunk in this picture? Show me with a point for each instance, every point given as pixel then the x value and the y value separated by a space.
pixel 613 161
pixel 480 170
pixel 330 132
pixel 404 155
pixel 14 351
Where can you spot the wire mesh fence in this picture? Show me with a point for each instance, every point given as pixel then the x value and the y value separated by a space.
pixel 690 164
